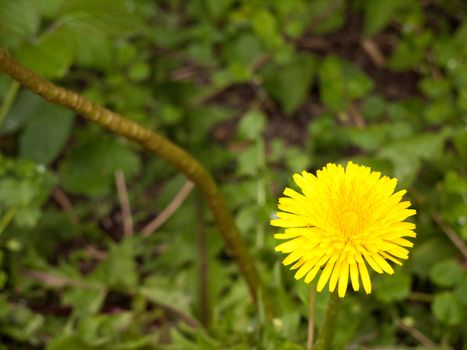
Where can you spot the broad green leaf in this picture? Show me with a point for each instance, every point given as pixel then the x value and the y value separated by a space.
pixel 19 21
pixel 244 49
pixel 265 26
pixel 252 125
pixel 97 51
pixel 448 309
pixel 341 82
pixel 327 16
pixel 446 273
pixel 90 17
pixel 51 56
pixel 26 105
pixel 45 134
pixel 248 161
pixel 290 83
pixel 379 13
pixel 392 288
pixel 435 88
pixel 461 291
pixel 407 154
pixel 90 166
pixel 428 253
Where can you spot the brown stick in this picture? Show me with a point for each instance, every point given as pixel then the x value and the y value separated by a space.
pixel 414 332
pixel 127 218
pixel 160 219
pixel 156 144
pixel 448 231
pixel 62 200
pixel 452 235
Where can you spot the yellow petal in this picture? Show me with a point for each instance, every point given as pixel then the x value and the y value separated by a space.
pixel 365 277
pixel 343 279
pixel 325 275
pixel 354 277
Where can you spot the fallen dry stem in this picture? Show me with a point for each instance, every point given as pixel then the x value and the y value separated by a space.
pixel 176 202
pixel 122 191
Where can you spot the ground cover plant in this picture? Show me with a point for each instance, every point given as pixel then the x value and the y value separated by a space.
pixel 103 245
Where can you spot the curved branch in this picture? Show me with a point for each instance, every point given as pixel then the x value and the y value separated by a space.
pixel 158 145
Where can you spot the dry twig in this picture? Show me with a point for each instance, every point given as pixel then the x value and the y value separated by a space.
pixel 414 332
pixel 169 210
pixel 64 202
pixel 124 203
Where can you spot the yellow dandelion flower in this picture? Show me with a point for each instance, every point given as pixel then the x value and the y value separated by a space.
pixel 344 220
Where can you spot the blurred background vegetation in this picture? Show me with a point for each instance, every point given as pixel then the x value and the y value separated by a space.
pixel 256 90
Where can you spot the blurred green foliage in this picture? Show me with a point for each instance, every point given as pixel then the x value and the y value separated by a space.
pixel 256 90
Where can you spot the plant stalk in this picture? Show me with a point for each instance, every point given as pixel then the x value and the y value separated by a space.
pixel 326 334
pixel 156 144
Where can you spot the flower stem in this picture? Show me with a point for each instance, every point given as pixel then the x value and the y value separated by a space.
pixel 160 146
pixel 326 333
pixel 311 318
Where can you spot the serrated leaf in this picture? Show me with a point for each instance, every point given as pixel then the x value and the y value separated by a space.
pixel 119 269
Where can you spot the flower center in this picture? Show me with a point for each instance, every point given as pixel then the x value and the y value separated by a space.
pixel 350 224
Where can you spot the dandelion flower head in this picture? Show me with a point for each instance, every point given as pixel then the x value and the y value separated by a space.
pixel 344 219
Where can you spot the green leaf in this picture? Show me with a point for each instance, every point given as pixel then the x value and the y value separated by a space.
pixel 265 26
pixel 379 13
pixel 406 154
pixel 248 161
pixel 290 83
pixel 435 88
pixel 341 83
pixel 90 17
pixel 26 105
pixel 243 49
pixel 45 133
pixel 461 291
pixel 84 301
pixel 19 21
pixel 89 167
pixel 67 342
pixel 119 269
pixel 330 16
pixel 446 273
pixel 252 125
pixel 51 56
pixel 393 288
pixel 447 308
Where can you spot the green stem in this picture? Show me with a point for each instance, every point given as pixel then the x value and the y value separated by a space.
pixel 9 98
pixel 158 145
pixel 326 334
